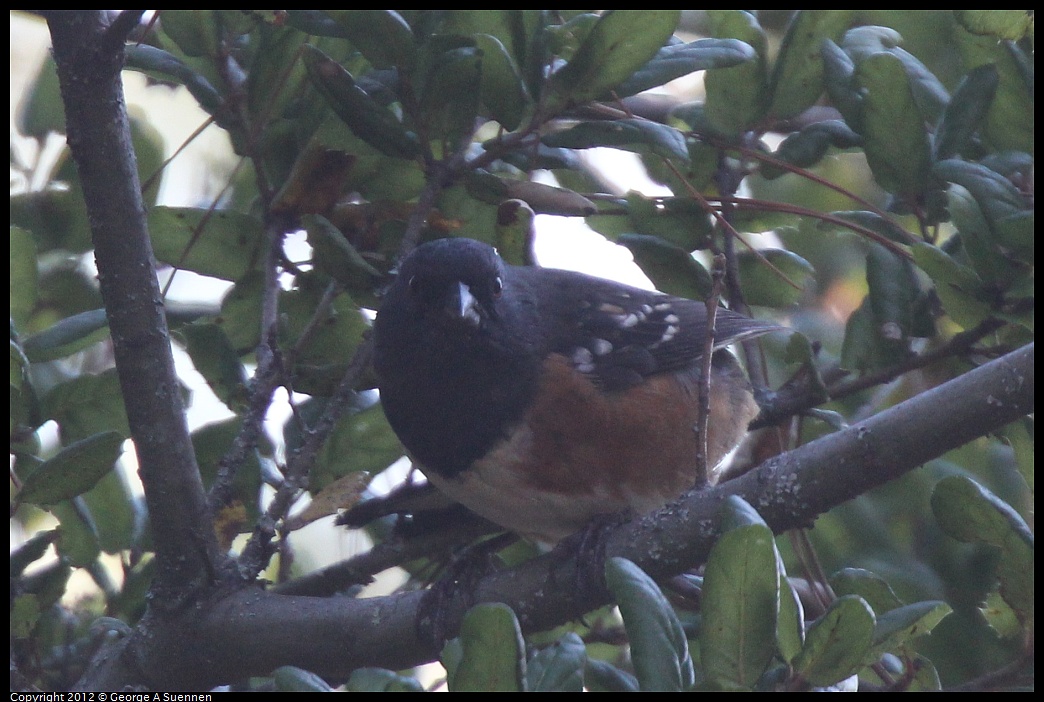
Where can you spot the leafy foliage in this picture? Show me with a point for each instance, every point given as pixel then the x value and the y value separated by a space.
pixel 886 158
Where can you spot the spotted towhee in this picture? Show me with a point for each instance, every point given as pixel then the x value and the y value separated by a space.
pixel 541 398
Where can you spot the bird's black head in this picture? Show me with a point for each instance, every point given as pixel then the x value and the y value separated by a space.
pixel 455 282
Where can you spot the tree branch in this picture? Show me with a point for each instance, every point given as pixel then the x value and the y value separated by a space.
pixel 250 632
pixel 89 62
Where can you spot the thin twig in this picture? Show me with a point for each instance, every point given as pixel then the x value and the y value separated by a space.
pixel 267 377
pixel 963 343
pixel 724 223
pixel 809 175
pixel 258 549
pixel 876 237
pixel 706 362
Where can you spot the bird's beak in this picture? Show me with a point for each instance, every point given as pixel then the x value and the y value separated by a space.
pixel 463 305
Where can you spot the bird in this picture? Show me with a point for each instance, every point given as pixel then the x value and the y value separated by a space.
pixel 542 399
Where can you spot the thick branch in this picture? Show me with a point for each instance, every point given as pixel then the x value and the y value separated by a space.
pixel 89 60
pixel 252 632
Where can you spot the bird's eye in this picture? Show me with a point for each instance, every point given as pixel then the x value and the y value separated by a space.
pixel 414 285
pixel 498 286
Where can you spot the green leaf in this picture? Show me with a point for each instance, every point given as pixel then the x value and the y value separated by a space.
pixel 790 623
pixel 737 97
pixel 276 85
pixel 969 512
pixel 976 236
pixel 799 350
pixel 561 40
pixel 510 27
pixel 1010 124
pixel 677 60
pixel 165 66
pixel 24 405
pixel 67 336
pixel 1017 234
pixel 41 111
pixel 335 255
pixel 25 614
pixel 449 87
pixel 49 582
pixel 24 275
pixel 288 678
pixel 896 628
pixel 503 90
pixel 883 226
pixel 865 41
pixel 659 649
pixel 619 43
pixel 240 316
pixel 874 589
pixel 839 81
pixel 996 196
pixel 383 37
pixel 809 145
pixel 318 23
pixel 73 471
pixel 118 515
pixel 473 206
pixel 765 287
pixel 893 129
pixel 869 220
pixel 957 285
pixel 737 512
pixel 493 651
pixel 214 357
pixel 31 551
pixel 380 680
pixel 893 291
pixel 740 601
pixel 211 443
pixel 220 243
pixel 137 581
pixel 672 269
pixel 925 677
pixel 1001 617
pixel 194 31
pixel 559 667
pixel 78 545
pixel 1001 24
pixel 638 135
pixel 542 198
pixel 148 151
pixel 601 676
pixel 797 77
pixel 56 218
pixel 680 221
pixel 515 233
pixel 966 112
pixel 361 441
pixel 370 121
pixel 1019 436
pixel 928 91
pixel 1010 164
pixel 87 405
pixel 864 347
pixel 838 643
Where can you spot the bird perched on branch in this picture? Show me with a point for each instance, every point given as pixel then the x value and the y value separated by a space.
pixel 541 398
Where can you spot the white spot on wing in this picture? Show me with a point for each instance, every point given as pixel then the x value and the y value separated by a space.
pixel 583 359
pixel 628 321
